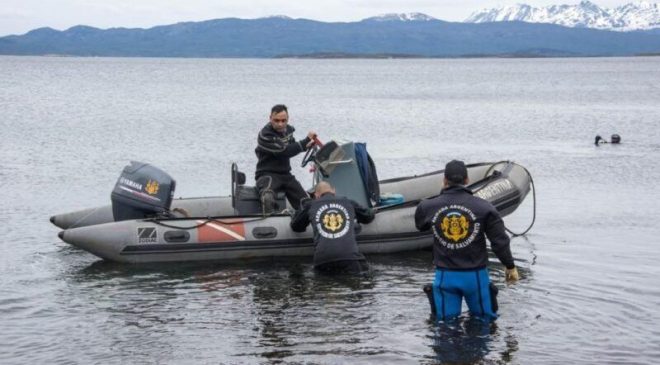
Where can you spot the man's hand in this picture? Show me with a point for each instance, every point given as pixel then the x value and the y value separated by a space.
pixel 312 139
pixel 305 201
pixel 511 275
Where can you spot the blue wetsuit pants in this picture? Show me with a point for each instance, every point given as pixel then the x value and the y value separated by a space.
pixel 450 287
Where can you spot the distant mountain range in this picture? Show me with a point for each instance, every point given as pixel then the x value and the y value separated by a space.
pixel 389 35
pixel 404 17
pixel 633 16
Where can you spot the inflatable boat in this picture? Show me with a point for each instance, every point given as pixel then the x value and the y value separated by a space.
pixel 145 224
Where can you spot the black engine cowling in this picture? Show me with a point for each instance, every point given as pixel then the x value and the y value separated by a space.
pixel 142 191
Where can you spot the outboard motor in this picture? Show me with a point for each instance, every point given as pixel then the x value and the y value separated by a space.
pixel 142 191
pixel 615 139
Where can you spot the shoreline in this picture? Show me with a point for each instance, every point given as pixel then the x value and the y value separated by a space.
pixel 377 56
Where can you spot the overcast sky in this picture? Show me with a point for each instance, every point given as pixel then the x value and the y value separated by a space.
pixel 20 16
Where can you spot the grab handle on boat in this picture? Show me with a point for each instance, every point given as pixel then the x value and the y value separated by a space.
pixel 341 162
pixel 264 232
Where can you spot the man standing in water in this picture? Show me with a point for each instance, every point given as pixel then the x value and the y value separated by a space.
pixel 460 223
pixel 275 147
pixel 333 221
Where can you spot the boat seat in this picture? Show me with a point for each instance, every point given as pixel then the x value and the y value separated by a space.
pixel 245 199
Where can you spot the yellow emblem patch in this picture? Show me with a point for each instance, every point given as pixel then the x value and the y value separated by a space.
pixel 152 187
pixel 455 227
pixel 333 222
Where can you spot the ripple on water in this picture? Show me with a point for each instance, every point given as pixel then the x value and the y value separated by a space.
pixel 588 292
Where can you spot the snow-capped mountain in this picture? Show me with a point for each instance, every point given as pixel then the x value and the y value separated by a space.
pixel 404 17
pixel 284 17
pixel 633 16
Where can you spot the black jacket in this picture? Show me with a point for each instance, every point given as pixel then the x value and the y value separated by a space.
pixel 333 221
pixel 275 149
pixel 460 223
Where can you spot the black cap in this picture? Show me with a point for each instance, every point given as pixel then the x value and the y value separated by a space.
pixel 456 172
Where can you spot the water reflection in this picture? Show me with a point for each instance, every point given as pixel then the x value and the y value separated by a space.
pixel 278 311
pixel 469 340
pixel 273 309
pixel 301 312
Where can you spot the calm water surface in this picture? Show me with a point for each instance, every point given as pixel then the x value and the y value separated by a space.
pixel 589 292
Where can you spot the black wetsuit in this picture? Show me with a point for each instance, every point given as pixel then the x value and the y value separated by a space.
pixel 273 174
pixel 461 244
pixel 460 223
pixel 333 221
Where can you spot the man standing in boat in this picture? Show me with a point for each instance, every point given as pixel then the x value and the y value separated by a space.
pixel 275 147
pixel 460 223
pixel 333 221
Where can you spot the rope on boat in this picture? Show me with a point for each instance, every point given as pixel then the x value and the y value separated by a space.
pixel 531 182
pixel 208 220
pixel 488 177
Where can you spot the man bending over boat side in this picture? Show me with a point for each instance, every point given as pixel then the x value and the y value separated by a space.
pixel 333 221
pixel 275 147
pixel 460 223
